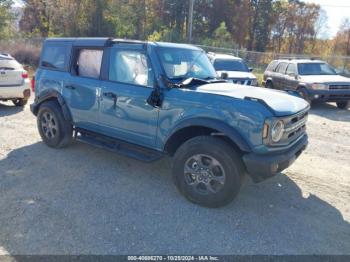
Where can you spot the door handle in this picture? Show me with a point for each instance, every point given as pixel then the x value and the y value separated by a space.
pixel 71 87
pixel 112 95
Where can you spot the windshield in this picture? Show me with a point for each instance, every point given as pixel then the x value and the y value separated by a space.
pixel 230 65
pixel 315 69
pixel 185 63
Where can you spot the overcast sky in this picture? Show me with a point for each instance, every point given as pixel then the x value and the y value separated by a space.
pixel 336 10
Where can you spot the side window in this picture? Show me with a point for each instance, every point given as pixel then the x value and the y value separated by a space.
pixel 55 56
pixel 271 66
pixel 130 66
pixel 88 63
pixel 291 70
pixel 282 68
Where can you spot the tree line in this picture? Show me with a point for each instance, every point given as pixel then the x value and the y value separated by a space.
pixel 282 26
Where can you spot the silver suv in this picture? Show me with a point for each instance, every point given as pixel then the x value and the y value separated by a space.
pixel 14 82
pixel 312 79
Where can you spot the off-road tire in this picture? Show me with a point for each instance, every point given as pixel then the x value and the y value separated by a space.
pixel 343 105
pixel 62 136
pixel 222 152
pixel 20 102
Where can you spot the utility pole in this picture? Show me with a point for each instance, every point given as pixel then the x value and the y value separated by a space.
pixel 190 20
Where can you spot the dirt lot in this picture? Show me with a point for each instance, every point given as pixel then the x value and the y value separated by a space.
pixel 83 200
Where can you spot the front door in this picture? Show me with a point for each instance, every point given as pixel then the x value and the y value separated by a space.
pixel 124 111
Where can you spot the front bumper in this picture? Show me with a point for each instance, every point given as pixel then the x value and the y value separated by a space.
pixel 334 95
pixel 263 166
pixel 15 92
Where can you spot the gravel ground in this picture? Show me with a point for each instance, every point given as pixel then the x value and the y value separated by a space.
pixel 84 200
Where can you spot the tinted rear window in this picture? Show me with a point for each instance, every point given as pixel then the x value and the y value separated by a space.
pixel 282 68
pixel 7 64
pixel 55 56
pixel 272 66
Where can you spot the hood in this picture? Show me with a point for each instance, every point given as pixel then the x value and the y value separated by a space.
pixel 280 102
pixel 237 74
pixel 327 79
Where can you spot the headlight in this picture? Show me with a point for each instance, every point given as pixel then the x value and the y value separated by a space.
pixel 277 131
pixel 317 86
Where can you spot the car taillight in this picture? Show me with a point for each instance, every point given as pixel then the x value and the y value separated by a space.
pixel 24 75
pixel 33 84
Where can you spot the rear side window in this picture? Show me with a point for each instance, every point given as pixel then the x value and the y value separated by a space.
pixel 88 63
pixel 282 68
pixel 271 67
pixel 55 56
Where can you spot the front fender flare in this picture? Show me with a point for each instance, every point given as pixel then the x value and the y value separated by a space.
pixel 218 125
pixel 51 94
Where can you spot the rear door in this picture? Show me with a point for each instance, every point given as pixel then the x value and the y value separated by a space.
pixel 291 81
pixel 10 73
pixel 82 88
pixel 279 76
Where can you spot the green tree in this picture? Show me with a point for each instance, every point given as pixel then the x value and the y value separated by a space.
pixel 221 37
pixel 6 18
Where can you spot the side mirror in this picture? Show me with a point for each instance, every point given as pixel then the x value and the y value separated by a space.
pixel 293 75
pixel 251 69
pixel 224 75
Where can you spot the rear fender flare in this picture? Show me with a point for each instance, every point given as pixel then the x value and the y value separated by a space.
pixel 52 95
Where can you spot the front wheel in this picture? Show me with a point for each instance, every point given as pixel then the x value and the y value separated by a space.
pixel 207 171
pixel 343 105
pixel 269 85
pixel 303 94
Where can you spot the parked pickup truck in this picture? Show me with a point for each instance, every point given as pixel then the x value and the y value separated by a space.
pixel 147 99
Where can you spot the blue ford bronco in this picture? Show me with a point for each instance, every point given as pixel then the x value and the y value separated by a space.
pixel 149 99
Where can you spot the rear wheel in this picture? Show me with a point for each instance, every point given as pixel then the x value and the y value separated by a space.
pixel 343 105
pixel 207 171
pixel 20 102
pixel 54 130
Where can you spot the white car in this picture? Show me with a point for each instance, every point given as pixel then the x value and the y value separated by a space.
pixel 233 68
pixel 14 82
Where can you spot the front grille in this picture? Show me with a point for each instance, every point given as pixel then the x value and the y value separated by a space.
pixel 339 87
pixel 294 127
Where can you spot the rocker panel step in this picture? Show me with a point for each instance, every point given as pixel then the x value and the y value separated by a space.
pixel 117 146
